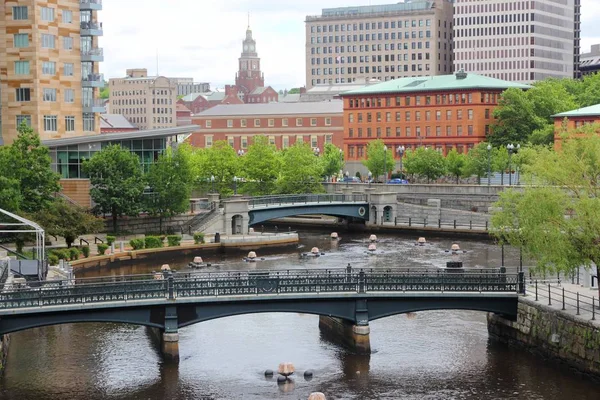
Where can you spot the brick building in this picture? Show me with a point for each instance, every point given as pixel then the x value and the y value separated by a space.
pixel 198 102
pixel 114 123
pixel 440 112
pixel 574 119
pixel 283 123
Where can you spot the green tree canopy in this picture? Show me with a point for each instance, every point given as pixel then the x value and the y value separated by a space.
pixel 515 119
pixel 378 159
pixel 105 92
pixel 456 163
pixel 425 162
pixel 260 166
pixel 333 160
pixel 300 170
pixel 219 161
pixel 478 161
pixel 117 182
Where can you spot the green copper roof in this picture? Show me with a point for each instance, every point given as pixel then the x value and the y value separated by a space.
pixel 441 82
pixel 581 112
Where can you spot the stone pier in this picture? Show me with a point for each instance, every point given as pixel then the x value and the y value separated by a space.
pixel 167 343
pixel 346 333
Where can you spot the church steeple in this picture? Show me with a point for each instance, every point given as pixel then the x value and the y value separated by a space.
pixel 249 75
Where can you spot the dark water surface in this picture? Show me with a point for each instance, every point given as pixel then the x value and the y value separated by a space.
pixel 433 355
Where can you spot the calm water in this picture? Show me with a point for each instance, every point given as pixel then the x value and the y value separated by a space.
pixel 434 355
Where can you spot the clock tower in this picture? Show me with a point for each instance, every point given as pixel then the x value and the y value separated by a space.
pixel 249 76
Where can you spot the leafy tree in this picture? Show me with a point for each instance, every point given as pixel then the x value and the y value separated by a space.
pixel 500 161
pixel 220 161
pixel 69 221
pixel 515 119
pixel 428 163
pixel 333 160
pixel 379 160
pixel 25 165
pixel 260 165
pixel 589 90
pixel 555 218
pixel 300 173
pixel 105 92
pixel 550 97
pixel 542 136
pixel 478 161
pixel 456 162
pixel 117 182
pixel 171 184
pixel 294 91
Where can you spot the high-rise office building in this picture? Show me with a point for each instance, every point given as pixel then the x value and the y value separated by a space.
pixel 49 75
pixel 411 38
pixel 517 40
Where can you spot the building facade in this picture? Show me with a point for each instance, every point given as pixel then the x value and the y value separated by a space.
pixel 439 112
pixel 148 102
pixel 250 80
pixel 574 119
pixel 517 40
pixel 186 86
pixel 198 102
pixel 411 38
pixel 115 123
pixel 590 62
pixel 49 73
pixel 283 123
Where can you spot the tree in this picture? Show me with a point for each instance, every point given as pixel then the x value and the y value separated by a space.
pixel 456 162
pixel 105 92
pixel 555 217
pixel 300 173
pixel 294 91
pixel 10 194
pixel 500 161
pixel 260 166
pixel 333 160
pixel 426 162
pixel 221 161
pixel 378 160
pixel 170 179
pixel 69 221
pixel 515 119
pixel 26 165
pixel 117 182
pixel 478 161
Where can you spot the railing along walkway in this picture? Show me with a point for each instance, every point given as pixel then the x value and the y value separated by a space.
pixel 170 286
pixel 266 201
pixel 436 223
pixel 566 297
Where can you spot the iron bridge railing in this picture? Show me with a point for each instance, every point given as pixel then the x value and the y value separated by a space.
pixel 292 199
pixel 172 286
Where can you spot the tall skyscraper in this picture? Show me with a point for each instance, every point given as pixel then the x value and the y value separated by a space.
pixel 517 40
pixel 411 38
pixel 49 74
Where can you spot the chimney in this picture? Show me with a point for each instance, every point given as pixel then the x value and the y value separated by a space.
pixel 303 90
pixel 231 90
pixel 461 74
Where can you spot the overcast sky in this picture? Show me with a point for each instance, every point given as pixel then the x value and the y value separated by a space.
pixel 202 39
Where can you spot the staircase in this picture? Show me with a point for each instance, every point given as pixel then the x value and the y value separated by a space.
pixel 201 221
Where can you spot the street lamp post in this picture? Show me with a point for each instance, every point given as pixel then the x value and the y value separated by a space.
pixel 369 177
pixel 212 183
pixel 347 178
pixel 235 180
pixel 511 148
pixel 384 164
pixel 400 151
pixel 489 149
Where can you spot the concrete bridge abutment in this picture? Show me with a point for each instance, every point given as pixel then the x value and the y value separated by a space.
pixel 346 333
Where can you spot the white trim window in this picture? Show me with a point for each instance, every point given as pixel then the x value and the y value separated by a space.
pixel 50 124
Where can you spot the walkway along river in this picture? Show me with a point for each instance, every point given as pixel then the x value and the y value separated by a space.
pixel 429 355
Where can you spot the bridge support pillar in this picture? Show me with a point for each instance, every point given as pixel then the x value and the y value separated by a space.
pixel 169 344
pixel 346 333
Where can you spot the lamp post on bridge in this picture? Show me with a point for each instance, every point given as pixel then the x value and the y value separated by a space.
pixel 511 149
pixel 489 150
pixel 384 164
pixel 235 181
pixel 400 151
pixel 212 183
pixel 369 177
pixel 347 178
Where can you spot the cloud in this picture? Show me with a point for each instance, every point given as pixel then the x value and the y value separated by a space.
pixel 203 39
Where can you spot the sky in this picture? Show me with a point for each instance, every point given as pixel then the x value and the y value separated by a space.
pixel 202 39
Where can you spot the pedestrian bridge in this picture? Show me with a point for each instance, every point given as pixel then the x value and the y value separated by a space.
pixel 265 208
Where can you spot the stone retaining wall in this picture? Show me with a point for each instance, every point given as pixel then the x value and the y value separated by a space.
pixel 553 334
pixel 433 213
pixel 146 224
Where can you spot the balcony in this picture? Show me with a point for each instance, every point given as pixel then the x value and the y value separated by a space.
pixel 94 5
pixel 92 80
pixel 92 55
pixel 93 106
pixel 91 28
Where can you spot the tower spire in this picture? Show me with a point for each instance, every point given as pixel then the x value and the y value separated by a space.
pixel 248 20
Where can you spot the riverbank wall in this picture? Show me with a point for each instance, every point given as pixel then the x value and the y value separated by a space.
pixel 553 334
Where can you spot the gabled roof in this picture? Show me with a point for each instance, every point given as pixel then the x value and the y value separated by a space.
pixel 260 90
pixel 115 121
pixel 459 81
pixel 580 112
pixel 192 96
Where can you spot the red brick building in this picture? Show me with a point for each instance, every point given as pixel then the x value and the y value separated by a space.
pixel 283 123
pixel 198 102
pixel 440 112
pixel 571 120
pixel 184 115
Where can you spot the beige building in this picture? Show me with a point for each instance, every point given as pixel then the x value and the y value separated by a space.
pixel 148 102
pixel 406 39
pixel 49 59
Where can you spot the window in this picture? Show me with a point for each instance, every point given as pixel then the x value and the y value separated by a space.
pixel 230 123
pixel 47 14
pixel 417 115
pixel 458 114
pixel 313 142
pixel 448 115
pixel 243 123
pixel 448 131
pixel 470 130
pixel 350 132
pixel 19 13
pixel 272 140
pixel 208 123
pixel 257 123
pixel 285 142
pixel 230 141
pixel 68 69
pixel 284 122
pixel 487 113
pixel 69 95
pixel 21 40
pixel 50 124
pixel 22 67
pixel 459 130
pixel 313 122
pixel 67 16
pixel 328 121
pixel 48 41
pixel 67 43
pixel 298 121
pixel 244 142
pixel 49 68
pixel 470 114
pixel 407 116
pixel 438 131
pixel 23 94
pixel 398 117
pixel 208 141
pixel 69 123
pixel 24 118
pixel 438 115
pixel 89 122
pixel 299 139
pixel 271 122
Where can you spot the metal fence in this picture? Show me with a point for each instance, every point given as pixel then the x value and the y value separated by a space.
pixel 266 201
pixel 416 222
pixel 568 300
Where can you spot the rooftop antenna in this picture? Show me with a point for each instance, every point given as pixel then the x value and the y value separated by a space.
pixel 248 19
pixel 157 62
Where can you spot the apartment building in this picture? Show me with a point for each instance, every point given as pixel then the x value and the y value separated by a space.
pixel 518 40
pixel 590 62
pixel 148 102
pixel 49 73
pixel 406 39
pixel 186 86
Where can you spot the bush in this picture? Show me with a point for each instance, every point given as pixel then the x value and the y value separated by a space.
pixel 110 240
pixel 53 259
pixel 153 242
pixel 198 237
pixel 86 251
pixel 102 247
pixel 61 254
pixel 136 244
pixel 174 240
pixel 74 253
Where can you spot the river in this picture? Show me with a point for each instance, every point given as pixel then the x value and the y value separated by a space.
pixel 429 355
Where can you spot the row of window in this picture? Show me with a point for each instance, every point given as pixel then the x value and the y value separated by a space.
pixel 374 47
pixel 270 122
pixel 48 94
pixel 285 141
pixel 407 116
pixel 51 122
pixel 318 81
pixel 48 68
pixel 373 58
pixel 408 131
pixel 373 69
pixel 359 151
pixel 134 111
pixel 20 13
pixel 373 37
pixel 407 23
pixel 406 101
